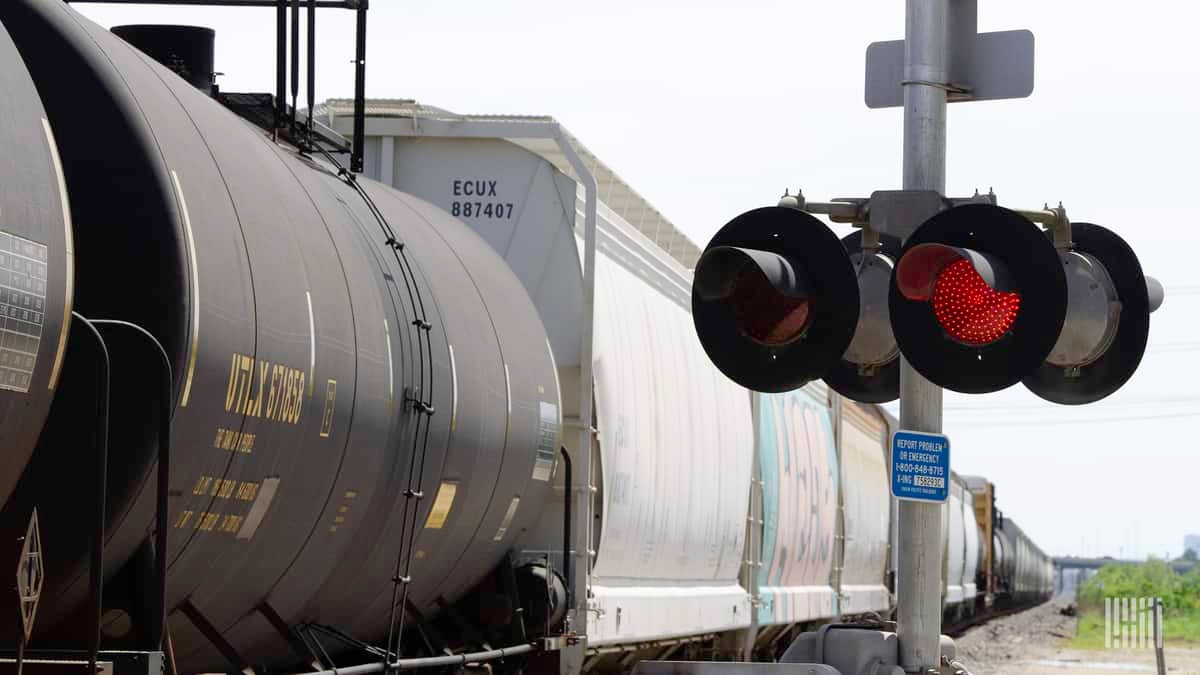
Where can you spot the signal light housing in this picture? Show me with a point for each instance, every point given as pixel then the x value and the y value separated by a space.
pixel 978 298
pixel 775 299
pixel 1107 320
pixel 869 369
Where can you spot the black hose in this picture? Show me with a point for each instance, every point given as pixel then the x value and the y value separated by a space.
pixel 401 580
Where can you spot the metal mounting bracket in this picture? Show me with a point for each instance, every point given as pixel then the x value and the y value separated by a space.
pixel 1056 221
pixel 900 212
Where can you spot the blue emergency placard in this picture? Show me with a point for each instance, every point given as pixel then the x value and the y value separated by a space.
pixel 920 466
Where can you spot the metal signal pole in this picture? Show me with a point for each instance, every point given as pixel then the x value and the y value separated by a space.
pixel 919 559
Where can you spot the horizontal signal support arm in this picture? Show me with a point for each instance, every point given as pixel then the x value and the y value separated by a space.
pixel 857 210
pixel 1048 217
pixel 841 210
pixel 1055 219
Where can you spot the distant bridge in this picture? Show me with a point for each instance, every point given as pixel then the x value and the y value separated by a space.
pixel 1072 562
pixel 1070 571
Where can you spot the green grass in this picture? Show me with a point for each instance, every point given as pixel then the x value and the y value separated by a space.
pixel 1180 594
pixel 1181 628
pixel 1089 632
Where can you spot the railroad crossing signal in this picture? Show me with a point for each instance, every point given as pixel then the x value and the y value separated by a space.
pixel 983 299
pixel 978 299
pixel 775 299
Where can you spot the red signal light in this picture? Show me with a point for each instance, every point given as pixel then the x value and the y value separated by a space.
pixel 764 314
pixel 978 299
pixel 968 309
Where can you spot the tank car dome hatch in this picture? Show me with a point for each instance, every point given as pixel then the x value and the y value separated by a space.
pixel 320 373
pixel 188 51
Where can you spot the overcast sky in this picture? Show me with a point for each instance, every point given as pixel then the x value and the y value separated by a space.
pixel 709 109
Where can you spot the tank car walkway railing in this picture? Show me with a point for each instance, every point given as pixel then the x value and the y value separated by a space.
pixel 166 410
pixel 166 413
pixel 359 7
pixel 96 565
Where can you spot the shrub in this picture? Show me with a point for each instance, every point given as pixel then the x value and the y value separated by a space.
pixel 1154 578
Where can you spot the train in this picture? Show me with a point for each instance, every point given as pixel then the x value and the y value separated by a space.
pixel 372 412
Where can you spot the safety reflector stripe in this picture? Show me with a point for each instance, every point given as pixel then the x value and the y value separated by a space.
pixel 387 332
pixel 312 343
pixel 194 274
pixel 441 505
pixel 69 248
pixel 508 518
pixel 454 390
pixel 258 510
